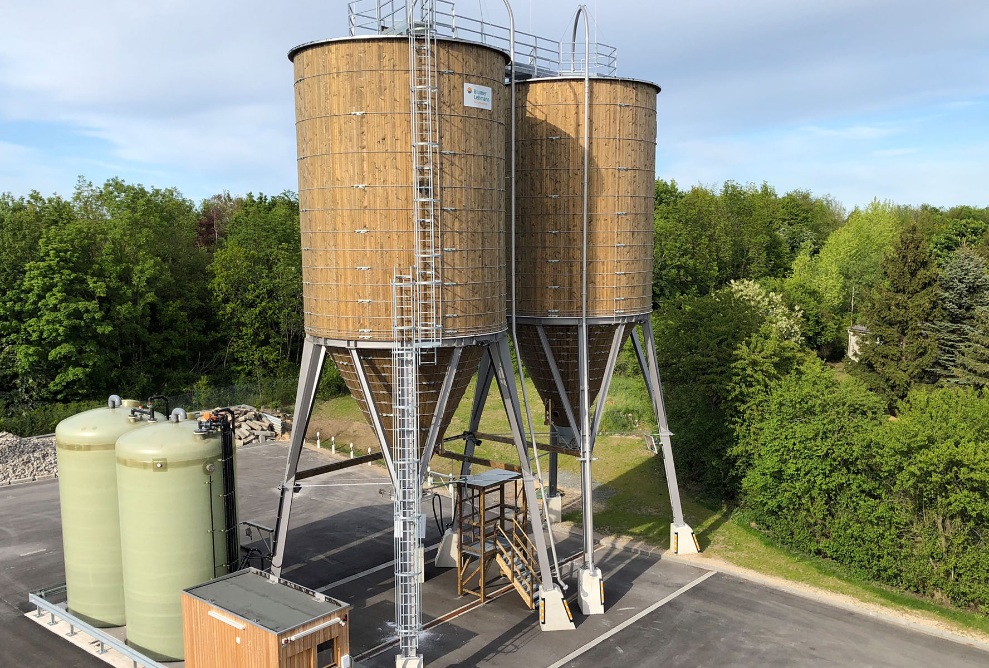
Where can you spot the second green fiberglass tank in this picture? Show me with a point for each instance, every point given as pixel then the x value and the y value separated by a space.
pixel 171 495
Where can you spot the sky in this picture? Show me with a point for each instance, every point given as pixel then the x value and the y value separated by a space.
pixel 856 99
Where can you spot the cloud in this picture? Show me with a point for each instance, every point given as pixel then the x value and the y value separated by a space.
pixel 199 95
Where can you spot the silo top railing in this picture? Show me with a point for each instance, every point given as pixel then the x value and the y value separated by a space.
pixel 534 56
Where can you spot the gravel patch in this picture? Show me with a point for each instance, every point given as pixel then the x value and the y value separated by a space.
pixel 26 458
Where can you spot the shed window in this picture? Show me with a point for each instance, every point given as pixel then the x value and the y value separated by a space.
pixel 325 656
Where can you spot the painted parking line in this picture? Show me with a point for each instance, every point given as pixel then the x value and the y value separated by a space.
pixel 342 548
pixel 375 569
pixel 628 622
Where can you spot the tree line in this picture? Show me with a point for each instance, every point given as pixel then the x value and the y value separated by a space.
pixel 123 288
pixel 881 464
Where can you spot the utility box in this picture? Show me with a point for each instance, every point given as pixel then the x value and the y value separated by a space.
pixel 250 619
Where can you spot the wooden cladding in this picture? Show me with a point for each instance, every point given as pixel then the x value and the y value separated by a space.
pixel 226 640
pixel 356 186
pixel 550 197
pixel 377 365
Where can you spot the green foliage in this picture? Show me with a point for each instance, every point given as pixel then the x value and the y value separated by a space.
pixel 112 298
pixel 41 419
pixel 900 348
pixel 706 239
pixel 806 450
pixel 971 364
pixel 256 284
pixel 936 456
pixel 826 285
pixel 963 287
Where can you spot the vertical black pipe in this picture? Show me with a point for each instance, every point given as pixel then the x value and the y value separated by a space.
pixel 229 490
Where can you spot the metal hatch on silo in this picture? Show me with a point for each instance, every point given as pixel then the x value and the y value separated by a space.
pixel 87 488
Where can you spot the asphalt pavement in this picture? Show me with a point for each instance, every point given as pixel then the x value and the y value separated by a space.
pixel 658 612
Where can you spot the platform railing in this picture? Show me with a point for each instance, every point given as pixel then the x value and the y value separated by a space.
pixel 534 55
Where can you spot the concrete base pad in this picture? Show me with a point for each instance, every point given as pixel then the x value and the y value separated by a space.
pixel 449 550
pixel 554 613
pixel 414 662
pixel 590 591
pixel 682 540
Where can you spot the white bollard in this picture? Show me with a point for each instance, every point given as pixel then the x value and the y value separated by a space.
pixel 369 454
pixel 333 444
pixel 318 444
pixel 351 450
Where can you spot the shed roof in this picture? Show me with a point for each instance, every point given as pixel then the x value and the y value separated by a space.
pixel 266 601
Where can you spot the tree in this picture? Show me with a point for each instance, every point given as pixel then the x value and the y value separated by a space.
pixel 963 287
pixel 23 223
pixel 811 474
pixel 113 299
pixel 256 286
pixel 685 260
pixel 936 457
pixel 971 364
pixel 900 348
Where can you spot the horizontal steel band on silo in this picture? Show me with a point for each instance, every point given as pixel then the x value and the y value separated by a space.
pixel 356 185
pixel 550 190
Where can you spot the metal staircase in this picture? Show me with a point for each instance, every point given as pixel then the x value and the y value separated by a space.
pixel 492 522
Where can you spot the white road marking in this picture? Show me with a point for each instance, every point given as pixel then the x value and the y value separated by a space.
pixel 358 576
pixel 28 554
pixel 628 622
pixel 348 546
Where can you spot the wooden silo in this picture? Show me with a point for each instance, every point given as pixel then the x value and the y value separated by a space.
pixel 550 221
pixel 356 191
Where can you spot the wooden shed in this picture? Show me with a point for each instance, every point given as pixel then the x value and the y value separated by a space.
pixel 250 619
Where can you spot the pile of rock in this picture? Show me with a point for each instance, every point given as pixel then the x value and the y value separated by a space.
pixel 253 426
pixel 26 458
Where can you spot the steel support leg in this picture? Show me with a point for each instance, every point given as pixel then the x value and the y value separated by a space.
pixel 441 403
pixel 372 409
pixel 313 359
pixel 561 389
pixel 485 376
pixel 590 584
pixel 447 555
pixel 682 539
pixel 554 614
pixel 590 580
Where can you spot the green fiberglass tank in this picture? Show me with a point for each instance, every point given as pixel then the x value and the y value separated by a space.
pixel 87 489
pixel 174 512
